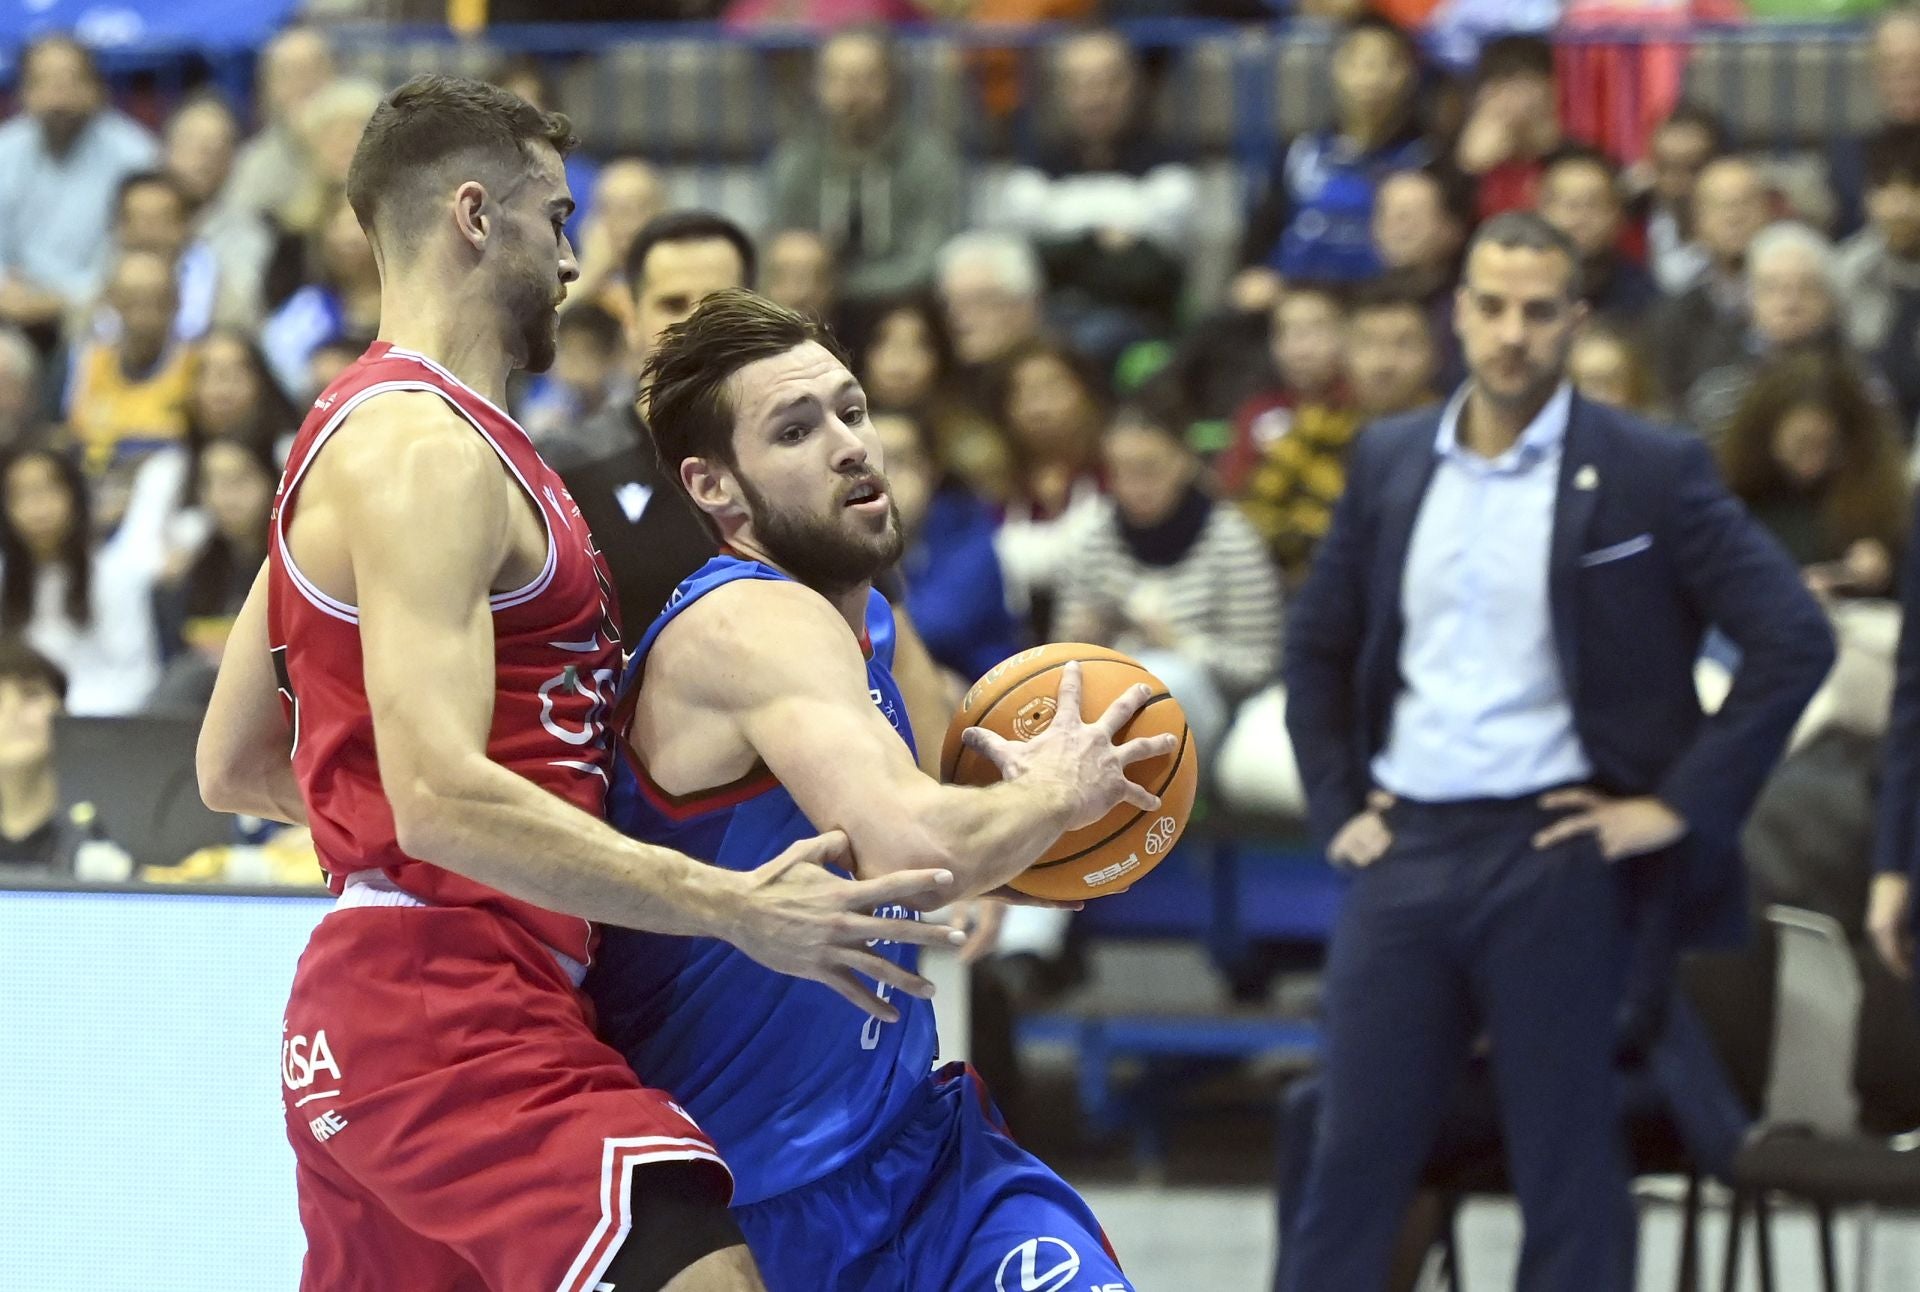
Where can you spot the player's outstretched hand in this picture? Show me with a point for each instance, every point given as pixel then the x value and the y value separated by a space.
pixel 800 918
pixel 1079 757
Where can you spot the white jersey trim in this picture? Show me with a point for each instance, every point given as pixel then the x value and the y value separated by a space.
pixel 618 1159
pixel 349 613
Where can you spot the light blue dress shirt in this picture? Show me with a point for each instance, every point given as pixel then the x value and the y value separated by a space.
pixel 55 212
pixel 1484 712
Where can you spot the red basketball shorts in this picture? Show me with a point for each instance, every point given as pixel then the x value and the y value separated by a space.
pixel 456 1125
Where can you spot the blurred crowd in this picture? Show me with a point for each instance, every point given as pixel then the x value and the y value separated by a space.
pixel 1082 449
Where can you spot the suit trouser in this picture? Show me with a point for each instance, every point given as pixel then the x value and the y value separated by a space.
pixel 1462 926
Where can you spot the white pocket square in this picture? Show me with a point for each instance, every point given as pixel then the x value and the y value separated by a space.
pixel 1617 551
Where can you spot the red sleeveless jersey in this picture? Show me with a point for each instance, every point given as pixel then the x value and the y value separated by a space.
pixel 556 661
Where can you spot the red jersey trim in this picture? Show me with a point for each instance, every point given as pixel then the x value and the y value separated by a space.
pixel 684 807
pixel 350 613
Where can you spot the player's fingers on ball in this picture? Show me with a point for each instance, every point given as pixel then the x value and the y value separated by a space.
pixel 1067 698
pixel 1141 797
pixel 1148 747
pixel 990 745
pixel 1124 707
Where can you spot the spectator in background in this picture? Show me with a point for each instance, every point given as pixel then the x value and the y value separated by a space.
pixel 800 274
pixel 1309 391
pixel 200 140
pixel 195 608
pixel 1894 56
pixel 341 298
pixel 884 193
pixel 152 214
pixel 589 374
pixel 61 162
pixel 22 399
pixel 1707 325
pixel 906 362
pixel 1794 303
pixel 1174 577
pixel 1052 410
pixel 1316 221
pixel 1580 195
pixel 1608 366
pixel 1513 125
pixel 1420 223
pixel 329 359
pixel 993 290
pixel 1393 361
pixel 1879 268
pixel 86 607
pixel 329 126
pixel 128 393
pixel 1813 457
pixel 1678 151
pixel 295 66
pixel 627 194
pixel 955 591
pixel 37 840
pixel 650 535
pixel 1111 216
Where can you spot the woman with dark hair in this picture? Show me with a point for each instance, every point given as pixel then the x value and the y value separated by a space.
pixel 236 478
pixel 1172 575
pixel 86 606
pixel 1052 410
pixel 234 396
pixel 906 361
pixel 1811 454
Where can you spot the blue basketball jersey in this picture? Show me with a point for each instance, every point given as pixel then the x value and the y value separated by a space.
pixel 790 1080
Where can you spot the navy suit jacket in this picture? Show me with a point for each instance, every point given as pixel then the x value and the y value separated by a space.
pixel 1649 550
pixel 1899 823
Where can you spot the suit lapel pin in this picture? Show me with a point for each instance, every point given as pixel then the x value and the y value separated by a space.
pixel 1587 479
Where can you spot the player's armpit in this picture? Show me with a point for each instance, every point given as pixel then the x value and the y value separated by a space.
pixel 243 755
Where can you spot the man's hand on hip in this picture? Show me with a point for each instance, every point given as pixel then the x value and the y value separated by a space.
pixel 1889 922
pixel 1622 827
pixel 1366 838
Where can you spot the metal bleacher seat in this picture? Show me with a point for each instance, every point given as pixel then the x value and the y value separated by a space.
pixel 1783 86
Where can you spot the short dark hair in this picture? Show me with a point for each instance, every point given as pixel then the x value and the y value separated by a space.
pixel 20 662
pixel 595 323
pixel 149 179
pixel 1893 156
pixel 685 402
pixel 1524 230
pixel 431 119
pixel 1456 191
pixel 1688 114
pixel 687 226
pixel 1385 294
pixel 1513 55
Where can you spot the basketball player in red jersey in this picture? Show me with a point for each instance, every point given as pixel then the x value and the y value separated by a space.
pixel 433 639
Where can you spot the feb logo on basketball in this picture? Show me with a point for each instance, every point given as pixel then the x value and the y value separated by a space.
pixel 1160 836
pixel 1034 717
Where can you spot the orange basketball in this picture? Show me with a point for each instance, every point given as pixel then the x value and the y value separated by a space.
pixel 1016 700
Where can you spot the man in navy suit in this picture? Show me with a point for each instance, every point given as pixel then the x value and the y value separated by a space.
pixel 1490 694
pixel 1892 920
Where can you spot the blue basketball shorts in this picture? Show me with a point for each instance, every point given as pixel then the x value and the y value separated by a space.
pixel 946 1200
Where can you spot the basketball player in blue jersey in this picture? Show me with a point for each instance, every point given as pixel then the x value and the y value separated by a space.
pixel 763 706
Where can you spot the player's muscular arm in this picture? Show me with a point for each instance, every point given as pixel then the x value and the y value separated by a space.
pixel 242 758
pixel 798 697
pixel 426 516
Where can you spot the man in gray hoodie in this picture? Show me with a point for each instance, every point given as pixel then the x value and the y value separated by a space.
pixel 883 196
